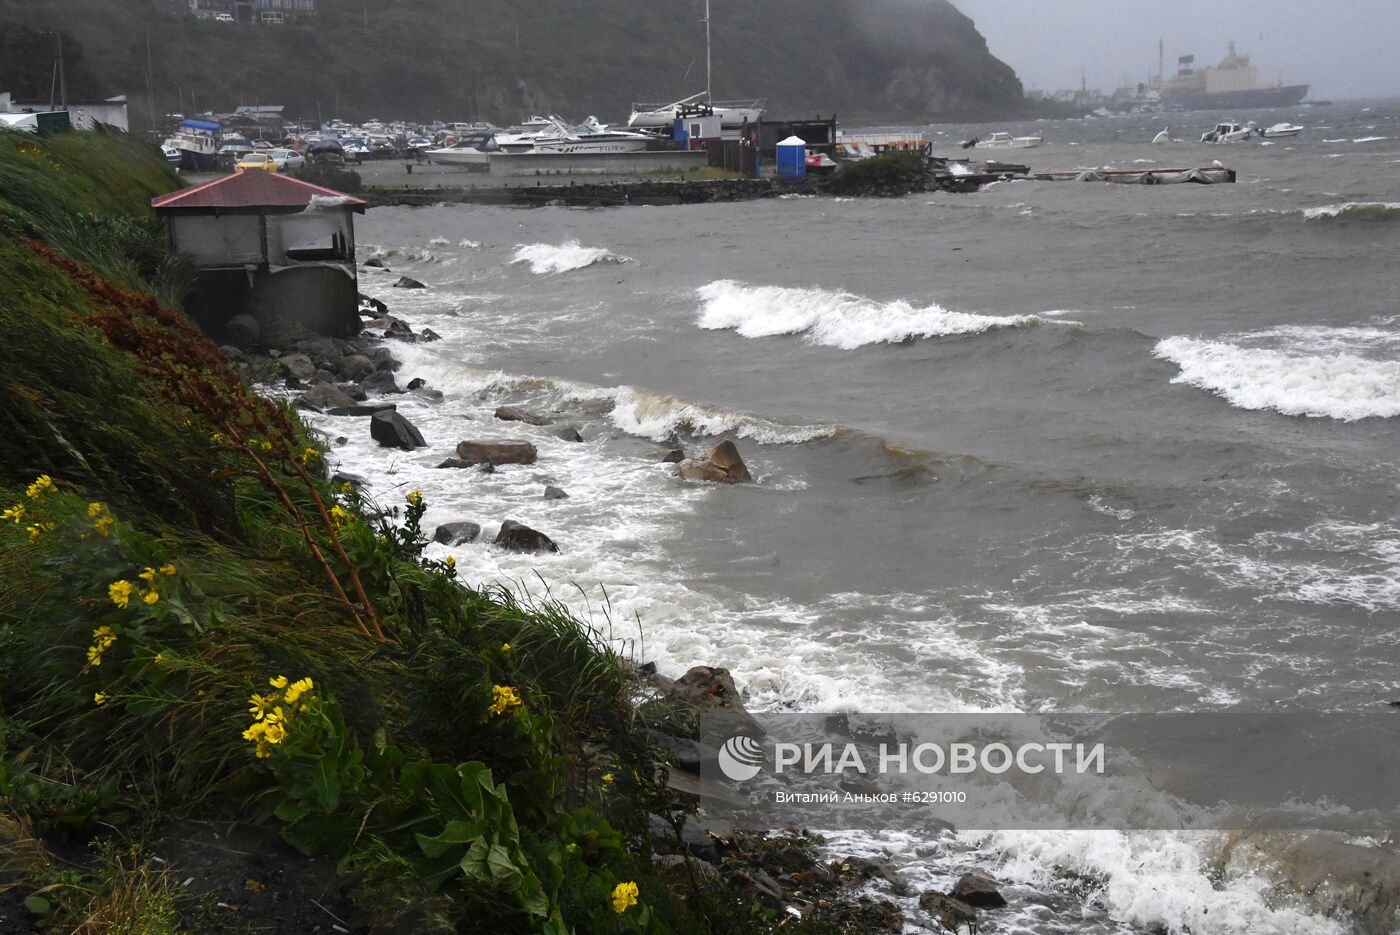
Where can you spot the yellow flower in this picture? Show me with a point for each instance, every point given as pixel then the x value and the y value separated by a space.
pixel 167 569
pixel 265 445
pixel 308 455
pixel 120 592
pixel 414 498
pixel 102 526
pixel 42 484
pixel 505 647
pixel 338 515
pixel 297 689
pixel 217 438
pixel 624 895
pixel 148 575
pixel 607 779
pixel 151 596
pixel 258 707
pixel 255 731
pixel 450 561
pixel 278 682
pixel 15 513
pixel 104 634
pixel 94 656
pixel 274 733
pixel 503 697
pixel 94 510
pixel 347 487
pixel 99 698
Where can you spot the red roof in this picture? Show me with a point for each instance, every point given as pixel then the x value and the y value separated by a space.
pixel 251 188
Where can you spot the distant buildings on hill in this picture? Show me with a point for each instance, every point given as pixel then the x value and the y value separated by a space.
pixel 268 12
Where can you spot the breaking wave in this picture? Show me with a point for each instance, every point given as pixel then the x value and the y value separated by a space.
pixel 1354 211
pixel 1326 382
pixel 835 319
pixel 545 258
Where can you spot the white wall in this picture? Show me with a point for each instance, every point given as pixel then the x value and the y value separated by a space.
pixel 222 240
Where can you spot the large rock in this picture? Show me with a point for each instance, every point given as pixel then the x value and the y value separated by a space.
pixel 324 396
pixel 457 533
pixel 392 430
pixel 408 282
pixel 496 453
pixel 952 914
pixel 683 872
pixel 380 381
pixel 376 262
pixel 297 365
pixel 722 465
pixel 355 367
pixel 674 456
pixel 554 493
pixel 242 331
pixel 514 414
pixel 710 691
pixel 568 433
pixel 977 888
pixel 521 538
pixel 384 359
pixel 361 409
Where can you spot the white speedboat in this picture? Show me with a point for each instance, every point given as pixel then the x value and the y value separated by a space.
pixel 1004 141
pixel 1229 132
pixel 1280 130
pixel 593 137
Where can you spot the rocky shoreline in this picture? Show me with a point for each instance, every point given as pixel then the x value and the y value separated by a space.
pixel 783 870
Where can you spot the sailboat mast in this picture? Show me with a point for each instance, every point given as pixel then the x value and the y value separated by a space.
pixel 709 95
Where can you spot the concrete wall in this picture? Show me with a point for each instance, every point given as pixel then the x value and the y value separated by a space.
pixel 322 299
pixel 218 240
pixel 329 230
pixel 542 164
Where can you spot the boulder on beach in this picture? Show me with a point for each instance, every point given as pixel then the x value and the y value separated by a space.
pixel 242 331
pixel 953 914
pixel 360 409
pixel 428 334
pixel 518 537
pixel 555 493
pixel 457 533
pixel 568 433
pixel 416 383
pixel 496 453
pixel 380 381
pixel 408 282
pixel 392 430
pixel 674 456
pixel 722 465
pixel 324 396
pixel 297 365
pixel 515 414
pixel 711 693
pixel 376 262
pixel 978 889
pixel 384 359
pixel 354 367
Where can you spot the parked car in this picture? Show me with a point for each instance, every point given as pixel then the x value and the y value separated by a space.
pixel 224 18
pixel 260 161
pixel 287 159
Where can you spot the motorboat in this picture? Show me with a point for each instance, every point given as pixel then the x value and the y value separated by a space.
pixel 521 137
pixel 198 144
pixel 470 149
pixel 1002 140
pixel 592 137
pixel 172 155
pixel 1163 137
pixel 1229 132
pixel 1280 130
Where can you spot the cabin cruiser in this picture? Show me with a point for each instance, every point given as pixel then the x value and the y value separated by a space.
pixel 593 137
pixel 198 144
pixel 1003 141
pixel 1280 130
pixel 472 148
pixel 521 137
pixel 732 114
pixel 1229 132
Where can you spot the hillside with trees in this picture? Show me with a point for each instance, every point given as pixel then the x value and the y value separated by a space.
pixel 498 60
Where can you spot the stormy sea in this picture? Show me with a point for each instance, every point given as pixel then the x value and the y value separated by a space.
pixel 1050 447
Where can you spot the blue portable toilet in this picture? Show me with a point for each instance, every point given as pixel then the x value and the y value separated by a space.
pixel 792 158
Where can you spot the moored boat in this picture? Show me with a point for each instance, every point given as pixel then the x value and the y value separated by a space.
pixel 1001 140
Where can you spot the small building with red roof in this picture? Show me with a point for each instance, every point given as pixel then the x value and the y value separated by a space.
pixel 267 246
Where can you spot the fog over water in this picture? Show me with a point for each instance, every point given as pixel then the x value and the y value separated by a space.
pixel 1343 48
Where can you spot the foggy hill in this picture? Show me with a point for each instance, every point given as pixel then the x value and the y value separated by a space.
pixel 498 60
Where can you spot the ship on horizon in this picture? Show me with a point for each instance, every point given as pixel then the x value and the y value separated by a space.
pixel 1234 83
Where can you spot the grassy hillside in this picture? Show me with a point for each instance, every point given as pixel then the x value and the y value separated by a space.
pixel 500 59
pixel 205 645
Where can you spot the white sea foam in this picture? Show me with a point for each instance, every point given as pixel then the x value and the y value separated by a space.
pixel 545 258
pixel 439 242
pixel 834 319
pixel 1287 379
pixel 1354 210
pixel 1370 139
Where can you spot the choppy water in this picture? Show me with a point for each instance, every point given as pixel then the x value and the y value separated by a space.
pixel 1047 447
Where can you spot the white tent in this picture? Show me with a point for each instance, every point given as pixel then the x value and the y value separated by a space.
pixel 27 122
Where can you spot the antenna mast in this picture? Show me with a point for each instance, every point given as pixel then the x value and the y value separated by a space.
pixel 709 95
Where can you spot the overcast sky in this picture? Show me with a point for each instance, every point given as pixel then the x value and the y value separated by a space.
pixel 1343 48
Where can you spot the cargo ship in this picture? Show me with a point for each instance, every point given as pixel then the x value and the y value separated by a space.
pixel 1233 84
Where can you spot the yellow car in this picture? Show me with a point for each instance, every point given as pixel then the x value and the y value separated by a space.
pixel 257 161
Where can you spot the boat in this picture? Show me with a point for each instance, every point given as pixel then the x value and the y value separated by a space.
pixel 172 155
pixel 733 115
pixel 198 144
pixel 1280 130
pixel 471 148
pixel 521 137
pixel 1000 140
pixel 1234 83
pixel 1228 132
pixel 1163 137
pixel 592 137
